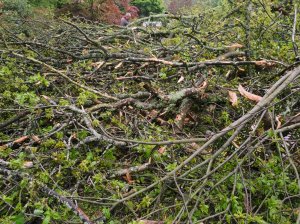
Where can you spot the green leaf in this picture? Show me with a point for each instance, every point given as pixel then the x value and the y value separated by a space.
pixel 47 219
pixel 106 213
pixel 162 75
pixel 19 219
pixel 171 166
pixel 204 208
pixel 38 212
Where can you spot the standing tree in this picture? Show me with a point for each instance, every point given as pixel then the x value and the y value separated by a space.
pixel 148 6
pixel 108 11
pixel 111 11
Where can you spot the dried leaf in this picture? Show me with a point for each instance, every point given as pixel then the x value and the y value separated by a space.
pixel 152 114
pixel 180 79
pixel 186 120
pixel 129 73
pixel 74 135
pixel 162 121
pixel 203 85
pixel 36 138
pixel 264 63
pixel 119 65
pixel 161 150
pixel 236 45
pixel 97 64
pixel 144 65
pixel 128 178
pixel 27 164
pixel 260 63
pixel 278 122
pixel 241 70
pixel 45 97
pixel 22 139
pixel 233 98
pixel 249 95
pixel 194 146
pixel 235 145
pixel 85 52
pixel 69 61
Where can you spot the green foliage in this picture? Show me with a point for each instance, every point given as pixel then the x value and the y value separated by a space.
pixel 22 7
pixel 146 202
pixel 39 80
pixel 28 98
pixel 106 213
pixel 84 97
pixel 147 7
pixel 19 219
pixel 48 3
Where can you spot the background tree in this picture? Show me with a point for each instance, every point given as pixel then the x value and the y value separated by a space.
pixel 48 3
pixel 107 11
pixel 176 5
pixel 148 6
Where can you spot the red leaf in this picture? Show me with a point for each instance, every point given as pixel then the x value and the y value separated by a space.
pixel 128 178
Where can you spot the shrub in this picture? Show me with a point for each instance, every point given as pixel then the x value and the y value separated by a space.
pixel 22 7
pixel 48 3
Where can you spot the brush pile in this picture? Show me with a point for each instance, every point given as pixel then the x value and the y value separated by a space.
pixel 196 121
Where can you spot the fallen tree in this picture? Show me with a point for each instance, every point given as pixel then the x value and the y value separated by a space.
pixel 193 122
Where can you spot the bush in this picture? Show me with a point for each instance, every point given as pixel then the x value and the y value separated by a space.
pixel 148 6
pixel 22 7
pixel 48 3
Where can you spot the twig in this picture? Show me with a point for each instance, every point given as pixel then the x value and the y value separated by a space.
pixel 87 38
pixel 70 204
pixel 14 119
pixel 269 96
pixel 295 47
pixel 133 169
pixel 66 77
pixel 88 123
